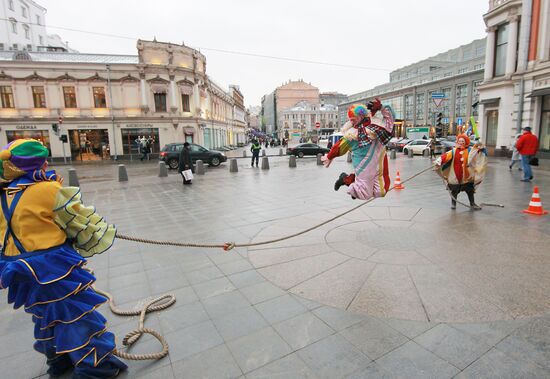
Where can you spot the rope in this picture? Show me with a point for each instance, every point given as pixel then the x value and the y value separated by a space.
pixel 230 245
pixel 154 305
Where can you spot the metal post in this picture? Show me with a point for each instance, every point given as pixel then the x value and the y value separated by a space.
pixel 111 110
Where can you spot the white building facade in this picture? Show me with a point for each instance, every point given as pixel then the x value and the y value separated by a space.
pixel 306 119
pixel 23 27
pixel 516 87
pixel 107 102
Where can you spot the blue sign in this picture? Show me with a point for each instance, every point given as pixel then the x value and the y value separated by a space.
pixel 438 95
pixel 459 121
pixel 445 120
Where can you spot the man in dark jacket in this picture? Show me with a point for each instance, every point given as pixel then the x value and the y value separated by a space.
pixel 185 161
pixel 527 146
pixel 255 149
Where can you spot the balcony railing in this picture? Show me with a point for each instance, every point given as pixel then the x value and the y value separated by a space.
pixel 496 3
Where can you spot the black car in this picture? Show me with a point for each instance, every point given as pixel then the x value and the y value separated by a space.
pixel 170 155
pixel 306 149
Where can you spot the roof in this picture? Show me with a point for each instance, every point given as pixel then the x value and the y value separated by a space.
pixel 73 57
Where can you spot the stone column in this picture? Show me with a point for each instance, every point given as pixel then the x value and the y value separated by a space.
pixel 173 98
pixel 490 53
pixel 196 101
pixel 511 49
pixel 143 88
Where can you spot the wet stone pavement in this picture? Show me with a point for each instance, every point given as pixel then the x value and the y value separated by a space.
pixel 403 287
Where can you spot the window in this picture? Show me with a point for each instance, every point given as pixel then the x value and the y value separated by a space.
pixel 461 97
pixel 160 102
pixel 24 12
pixel 6 95
pixel 13 25
pixel 27 31
pixel 40 135
pixel 69 95
pixel 10 4
pixel 131 139
pixel 475 96
pixel 39 97
pixel 41 40
pixel 500 50
pixel 462 70
pixel 99 97
pixel 408 107
pixel 492 128
pixel 15 47
pixel 447 74
pixel 37 19
pixel 420 106
pixel 185 103
pixel 1 47
pixel 479 66
pixel 545 124
pixel 29 47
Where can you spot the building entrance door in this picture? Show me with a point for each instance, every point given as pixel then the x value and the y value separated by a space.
pixel 89 144
pixel 492 128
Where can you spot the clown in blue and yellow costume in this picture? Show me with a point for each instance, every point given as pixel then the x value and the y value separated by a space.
pixel 47 234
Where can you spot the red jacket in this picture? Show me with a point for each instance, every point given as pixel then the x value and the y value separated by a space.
pixel 527 144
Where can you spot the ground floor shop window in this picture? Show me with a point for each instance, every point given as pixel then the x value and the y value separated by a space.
pixel 544 139
pixel 207 138
pixel 40 135
pixel 492 128
pixel 89 144
pixel 133 140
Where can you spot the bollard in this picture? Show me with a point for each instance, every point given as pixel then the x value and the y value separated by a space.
pixel 265 163
pixel 163 170
pixel 292 161
pixel 410 152
pixel 73 179
pixel 233 165
pixel 122 174
pixel 393 154
pixel 263 153
pixel 319 161
pixel 199 170
pixel 426 153
pixel 244 153
pixel 280 152
pixel 349 157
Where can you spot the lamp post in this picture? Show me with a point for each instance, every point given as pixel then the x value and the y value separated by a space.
pixel 111 110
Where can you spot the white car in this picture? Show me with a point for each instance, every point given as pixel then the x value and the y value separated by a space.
pixel 417 146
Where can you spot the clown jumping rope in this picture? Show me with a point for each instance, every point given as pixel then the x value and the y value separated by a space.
pixel 47 233
pixel 366 136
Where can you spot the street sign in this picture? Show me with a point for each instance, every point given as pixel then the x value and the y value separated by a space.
pixel 445 120
pixel 317 124
pixel 459 121
pixel 438 101
pixel 438 95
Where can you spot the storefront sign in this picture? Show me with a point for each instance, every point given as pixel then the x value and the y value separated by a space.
pixel 25 127
pixel 138 125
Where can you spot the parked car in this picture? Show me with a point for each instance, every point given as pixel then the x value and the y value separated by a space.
pixel 306 149
pixel 170 155
pixel 394 141
pixel 418 146
pixel 401 143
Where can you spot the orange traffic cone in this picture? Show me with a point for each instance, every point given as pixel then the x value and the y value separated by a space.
pixel 397 184
pixel 535 206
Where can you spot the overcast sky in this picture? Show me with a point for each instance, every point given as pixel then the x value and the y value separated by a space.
pixel 385 34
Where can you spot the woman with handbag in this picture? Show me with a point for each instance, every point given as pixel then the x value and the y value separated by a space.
pixel 185 167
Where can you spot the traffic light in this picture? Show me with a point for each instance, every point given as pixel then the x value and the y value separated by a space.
pixel 438 119
pixel 55 128
pixel 63 138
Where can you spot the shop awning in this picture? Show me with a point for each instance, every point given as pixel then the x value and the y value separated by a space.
pixel 493 102
pixel 540 92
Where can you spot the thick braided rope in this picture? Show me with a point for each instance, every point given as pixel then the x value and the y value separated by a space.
pixel 231 245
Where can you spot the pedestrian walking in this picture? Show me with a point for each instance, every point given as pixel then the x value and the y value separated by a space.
pixel 255 149
pixel 516 156
pixel 185 163
pixel 432 143
pixel 527 146
pixel 144 149
pixel 266 143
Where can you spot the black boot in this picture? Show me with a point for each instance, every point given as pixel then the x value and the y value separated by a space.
pixel 340 182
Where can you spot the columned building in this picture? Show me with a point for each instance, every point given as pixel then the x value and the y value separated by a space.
pixel 516 86
pixel 455 75
pixel 102 104
pixel 237 130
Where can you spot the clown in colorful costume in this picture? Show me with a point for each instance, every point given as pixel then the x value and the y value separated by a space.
pixel 366 136
pixel 47 233
pixel 463 169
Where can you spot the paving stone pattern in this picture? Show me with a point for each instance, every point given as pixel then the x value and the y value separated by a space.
pixel 401 288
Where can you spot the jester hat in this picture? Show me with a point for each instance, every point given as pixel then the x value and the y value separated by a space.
pixel 21 157
pixel 358 110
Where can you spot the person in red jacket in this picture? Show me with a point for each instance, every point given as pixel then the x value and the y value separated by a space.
pixel 527 146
